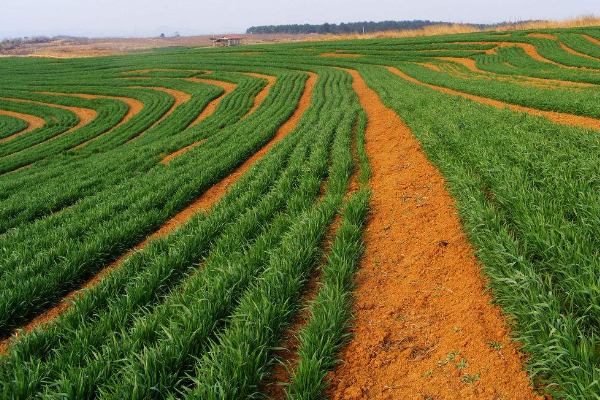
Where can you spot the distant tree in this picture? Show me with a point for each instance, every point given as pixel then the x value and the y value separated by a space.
pixel 162 35
pixel 177 34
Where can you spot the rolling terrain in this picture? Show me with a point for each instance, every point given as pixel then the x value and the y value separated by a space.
pixel 357 219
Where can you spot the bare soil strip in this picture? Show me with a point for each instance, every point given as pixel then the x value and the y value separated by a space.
pixel 557 117
pixel 574 52
pixel 432 67
pixel 85 115
pixel 179 96
pixel 591 39
pixel 542 36
pixel 208 110
pixel 420 295
pixel 135 106
pixel 262 95
pixel 472 66
pixel 179 152
pixel 205 201
pixel 32 121
pixel 228 87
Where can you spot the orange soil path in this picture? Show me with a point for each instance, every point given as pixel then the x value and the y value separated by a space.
pixel 205 201
pixel 591 39
pixel 472 66
pixel 574 52
pixel 557 117
pixel 208 110
pixel 563 46
pixel 227 87
pixel 542 36
pixel 179 152
pixel 32 121
pixel 419 294
pixel 530 50
pixel 85 115
pixel 262 95
pixel 179 96
pixel 135 106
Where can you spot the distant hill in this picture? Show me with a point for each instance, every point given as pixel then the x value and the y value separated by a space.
pixel 369 27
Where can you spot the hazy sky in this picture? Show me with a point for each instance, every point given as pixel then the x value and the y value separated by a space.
pixel 150 17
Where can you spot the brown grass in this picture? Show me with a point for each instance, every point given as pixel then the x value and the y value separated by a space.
pixel 434 30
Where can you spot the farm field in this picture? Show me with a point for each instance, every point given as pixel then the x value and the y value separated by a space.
pixel 410 218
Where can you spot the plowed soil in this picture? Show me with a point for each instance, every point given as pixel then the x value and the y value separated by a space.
pixel 134 107
pixel 228 87
pixel 85 115
pixel 557 117
pixel 591 39
pixel 542 36
pixel 576 53
pixel 420 294
pixel 262 95
pixel 541 82
pixel 208 110
pixel 33 121
pixel 179 96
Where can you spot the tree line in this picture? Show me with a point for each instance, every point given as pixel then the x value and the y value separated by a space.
pixel 352 27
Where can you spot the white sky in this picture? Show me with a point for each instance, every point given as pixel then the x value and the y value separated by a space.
pixel 151 17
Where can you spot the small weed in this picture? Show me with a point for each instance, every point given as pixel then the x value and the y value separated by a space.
pixel 429 372
pixel 462 364
pixel 451 356
pixel 496 345
pixel 470 378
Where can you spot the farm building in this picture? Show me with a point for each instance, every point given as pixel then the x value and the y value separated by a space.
pixel 227 41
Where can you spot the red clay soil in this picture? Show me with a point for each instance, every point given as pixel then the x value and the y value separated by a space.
pixel 32 121
pixel 179 96
pixel 431 67
pixel 134 107
pixel 228 87
pixel 542 36
pixel 179 152
pixel 85 115
pixel 262 95
pixel 420 293
pixel 208 110
pixel 571 51
pixel 591 39
pixel 540 82
pixel 220 188
pixel 209 197
pixel 557 117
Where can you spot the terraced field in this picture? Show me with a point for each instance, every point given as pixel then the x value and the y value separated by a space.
pixel 411 218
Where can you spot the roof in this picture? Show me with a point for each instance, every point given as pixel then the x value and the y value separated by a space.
pixel 233 37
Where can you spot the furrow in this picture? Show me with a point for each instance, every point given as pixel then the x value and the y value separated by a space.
pixel 415 244
pixel 557 117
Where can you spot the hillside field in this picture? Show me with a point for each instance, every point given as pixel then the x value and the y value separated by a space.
pixel 395 218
